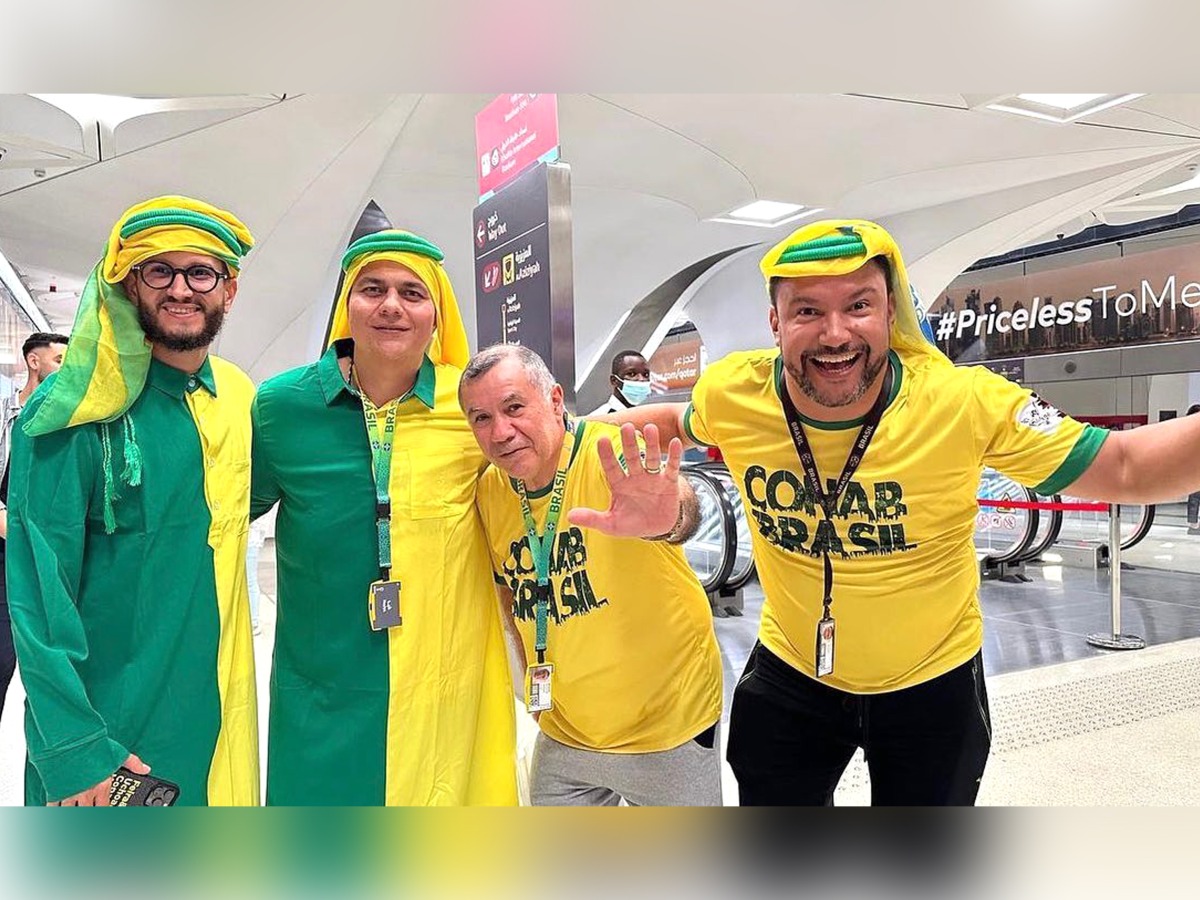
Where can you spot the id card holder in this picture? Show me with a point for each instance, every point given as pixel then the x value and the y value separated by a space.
pixel 825 636
pixel 383 605
pixel 537 687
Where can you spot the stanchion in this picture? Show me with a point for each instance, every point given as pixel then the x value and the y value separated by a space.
pixel 1116 640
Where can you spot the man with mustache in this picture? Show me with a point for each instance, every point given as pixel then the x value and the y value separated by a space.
pixel 622 667
pixel 857 447
pixel 128 509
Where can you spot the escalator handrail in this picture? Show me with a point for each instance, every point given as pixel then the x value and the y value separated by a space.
pixel 1014 553
pixel 1144 524
pixel 1054 529
pixel 728 530
pixel 1143 528
pixel 721 472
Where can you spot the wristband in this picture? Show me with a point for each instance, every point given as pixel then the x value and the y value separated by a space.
pixel 666 536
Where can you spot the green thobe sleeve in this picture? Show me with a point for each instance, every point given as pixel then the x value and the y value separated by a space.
pixel 50 489
pixel 264 487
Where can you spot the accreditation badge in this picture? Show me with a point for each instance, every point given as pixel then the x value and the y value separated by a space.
pixel 383 605
pixel 825 635
pixel 537 687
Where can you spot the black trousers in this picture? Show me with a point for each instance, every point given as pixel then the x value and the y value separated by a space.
pixel 791 737
pixel 8 657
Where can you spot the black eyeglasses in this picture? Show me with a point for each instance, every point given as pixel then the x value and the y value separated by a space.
pixel 160 276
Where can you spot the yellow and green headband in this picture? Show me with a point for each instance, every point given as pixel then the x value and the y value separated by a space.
pixel 841 246
pixel 174 223
pixel 423 259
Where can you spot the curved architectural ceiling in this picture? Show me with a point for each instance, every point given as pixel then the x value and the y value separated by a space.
pixel 954 179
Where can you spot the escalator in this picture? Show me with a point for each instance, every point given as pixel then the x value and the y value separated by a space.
pixel 1086 527
pixel 1008 529
pixel 1004 533
pixel 712 550
pixel 743 562
pixel 1050 523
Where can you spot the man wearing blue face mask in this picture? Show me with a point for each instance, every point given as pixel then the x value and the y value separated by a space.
pixel 630 380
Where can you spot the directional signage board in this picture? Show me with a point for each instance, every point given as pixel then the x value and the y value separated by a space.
pixel 523 290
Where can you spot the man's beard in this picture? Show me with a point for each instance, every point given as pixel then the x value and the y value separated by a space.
pixel 870 371
pixel 214 318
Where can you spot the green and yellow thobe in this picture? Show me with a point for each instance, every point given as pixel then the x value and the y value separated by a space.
pixel 422 713
pixel 128 516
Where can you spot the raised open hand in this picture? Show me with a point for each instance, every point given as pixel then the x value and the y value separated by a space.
pixel 645 495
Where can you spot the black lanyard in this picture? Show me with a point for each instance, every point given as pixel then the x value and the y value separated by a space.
pixel 812 478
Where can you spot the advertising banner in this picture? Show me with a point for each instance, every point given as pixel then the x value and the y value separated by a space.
pixel 1143 298
pixel 513 133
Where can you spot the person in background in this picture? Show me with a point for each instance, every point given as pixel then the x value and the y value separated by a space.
pixel 630 380
pixel 43 354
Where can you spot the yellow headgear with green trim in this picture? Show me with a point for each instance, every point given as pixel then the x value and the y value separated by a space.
pixel 105 366
pixel 174 223
pixel 842 246
pixel 424 259
pixel 108 358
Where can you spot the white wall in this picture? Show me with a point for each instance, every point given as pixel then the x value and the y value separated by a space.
pixel 1168 393
pixel 1098 397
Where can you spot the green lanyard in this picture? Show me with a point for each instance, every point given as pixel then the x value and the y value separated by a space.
pixel 541 547
pixel 381 468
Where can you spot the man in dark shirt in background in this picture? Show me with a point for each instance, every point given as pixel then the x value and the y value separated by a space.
pixel 43 354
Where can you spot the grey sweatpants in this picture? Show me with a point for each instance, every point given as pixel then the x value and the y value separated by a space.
pixel 688 775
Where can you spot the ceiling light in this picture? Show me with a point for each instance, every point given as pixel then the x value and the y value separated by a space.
pixel 765 210
pixel 1059 107
pixel 766 213
pixel 1062 101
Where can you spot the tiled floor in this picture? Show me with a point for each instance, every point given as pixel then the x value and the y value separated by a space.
pixel 1040 623
pixel 1111 737
pixel 1034 638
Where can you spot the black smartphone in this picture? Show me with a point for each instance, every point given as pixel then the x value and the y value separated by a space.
pixel 132 789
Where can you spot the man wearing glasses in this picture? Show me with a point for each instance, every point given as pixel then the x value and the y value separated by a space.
pixel 128 510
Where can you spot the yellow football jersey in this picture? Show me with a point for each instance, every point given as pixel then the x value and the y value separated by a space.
pixel 636 663
pixel 905 576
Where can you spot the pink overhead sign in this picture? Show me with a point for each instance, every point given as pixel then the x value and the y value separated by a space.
pixel 512 133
